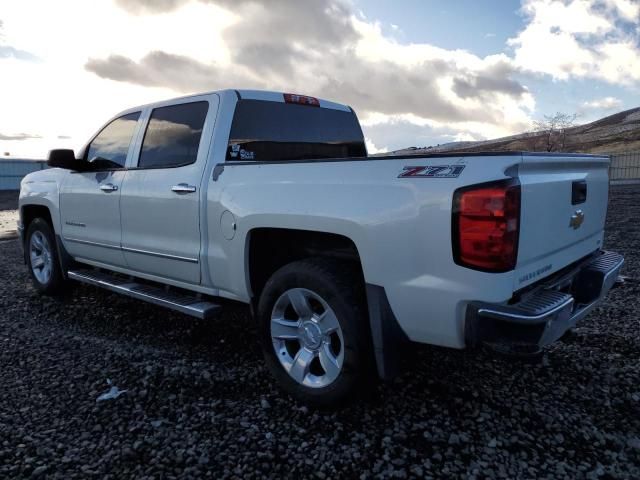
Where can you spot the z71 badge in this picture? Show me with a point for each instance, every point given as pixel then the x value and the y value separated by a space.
pixel 439 171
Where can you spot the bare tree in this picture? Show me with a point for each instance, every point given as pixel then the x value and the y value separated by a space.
pixel 555 129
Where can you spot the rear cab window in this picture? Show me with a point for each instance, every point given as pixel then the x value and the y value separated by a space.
pixel 275 131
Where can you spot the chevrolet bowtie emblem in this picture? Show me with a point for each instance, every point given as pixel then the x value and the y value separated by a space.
pixel 576 219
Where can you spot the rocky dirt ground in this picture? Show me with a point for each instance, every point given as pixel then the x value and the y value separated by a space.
pixel 199 402
pixel 8 214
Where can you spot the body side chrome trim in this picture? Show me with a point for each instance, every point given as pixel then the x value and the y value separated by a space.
pixel 132 250
pixel 161 255
pixel 88 242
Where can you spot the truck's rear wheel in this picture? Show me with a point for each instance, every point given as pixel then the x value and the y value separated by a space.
pixel 42 258
pixel 314 331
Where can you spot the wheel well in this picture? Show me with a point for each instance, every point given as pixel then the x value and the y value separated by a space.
pixel 31 212
pixel 273 248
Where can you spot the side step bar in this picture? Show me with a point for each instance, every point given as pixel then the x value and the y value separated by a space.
pixel 188 304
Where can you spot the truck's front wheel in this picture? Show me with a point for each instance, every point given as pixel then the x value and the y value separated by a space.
pixel 314 331
pixel 42 258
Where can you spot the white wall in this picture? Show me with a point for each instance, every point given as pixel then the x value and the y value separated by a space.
pixel 13 170
pixel 625 166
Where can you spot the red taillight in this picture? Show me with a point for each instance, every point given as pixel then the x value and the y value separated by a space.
pixel 301 99
pixel 486 221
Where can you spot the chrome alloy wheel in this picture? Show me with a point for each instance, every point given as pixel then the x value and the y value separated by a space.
pixel 41 257
pixel 307 338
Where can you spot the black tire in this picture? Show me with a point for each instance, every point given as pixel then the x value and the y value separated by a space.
pixel 341 286
pixel 54 284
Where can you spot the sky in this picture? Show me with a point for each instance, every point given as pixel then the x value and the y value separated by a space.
pixel 417 72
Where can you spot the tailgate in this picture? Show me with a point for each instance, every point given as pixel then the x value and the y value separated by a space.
pixel 563 210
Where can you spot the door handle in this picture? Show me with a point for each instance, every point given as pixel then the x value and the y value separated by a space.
pixel 108 187
pixel 183 188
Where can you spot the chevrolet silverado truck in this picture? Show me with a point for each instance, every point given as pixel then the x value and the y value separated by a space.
pixel 271 200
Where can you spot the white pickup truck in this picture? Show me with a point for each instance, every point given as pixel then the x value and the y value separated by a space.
pixel 270 199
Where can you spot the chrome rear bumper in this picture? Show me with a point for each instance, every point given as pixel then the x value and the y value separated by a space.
pixel 543 315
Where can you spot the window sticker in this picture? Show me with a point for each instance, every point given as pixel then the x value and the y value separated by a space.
pixel 236 151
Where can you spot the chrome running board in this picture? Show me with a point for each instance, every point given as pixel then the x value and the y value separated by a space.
pixel 191 305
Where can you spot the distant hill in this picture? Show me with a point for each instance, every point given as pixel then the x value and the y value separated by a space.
pixel 616 133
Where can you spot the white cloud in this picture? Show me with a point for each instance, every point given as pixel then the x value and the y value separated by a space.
pixel 358 65
pixel 372 148
pixel 605 103
pixel 580 38
pixel 628 9
pixel 592 110
pixel 57 96
pixel 112 54
pixel 401 131
pixel 99 28
pixel 465 137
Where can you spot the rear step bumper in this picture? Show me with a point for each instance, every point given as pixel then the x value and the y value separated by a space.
pixel 190 304
pixel 547 313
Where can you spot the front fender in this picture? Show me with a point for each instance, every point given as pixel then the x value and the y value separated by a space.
pixel 42 188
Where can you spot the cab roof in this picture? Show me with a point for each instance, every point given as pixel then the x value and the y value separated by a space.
pixel 280 97
pixel 265 95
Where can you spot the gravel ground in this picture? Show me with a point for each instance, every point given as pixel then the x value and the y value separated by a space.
pixel 9 199
pixel 8 214
pixel 199 402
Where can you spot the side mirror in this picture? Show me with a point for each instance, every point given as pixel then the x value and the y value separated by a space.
pixel 64 158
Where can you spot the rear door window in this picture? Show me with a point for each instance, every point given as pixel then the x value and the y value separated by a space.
pixel 173 135
pixel 265 131
pixel 109 148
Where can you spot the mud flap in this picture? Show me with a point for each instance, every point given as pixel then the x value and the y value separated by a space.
pixel 387 336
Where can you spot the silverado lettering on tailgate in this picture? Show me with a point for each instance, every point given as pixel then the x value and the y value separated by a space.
pixel 537 273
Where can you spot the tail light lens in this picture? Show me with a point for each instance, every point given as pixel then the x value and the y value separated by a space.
pixel 486 223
